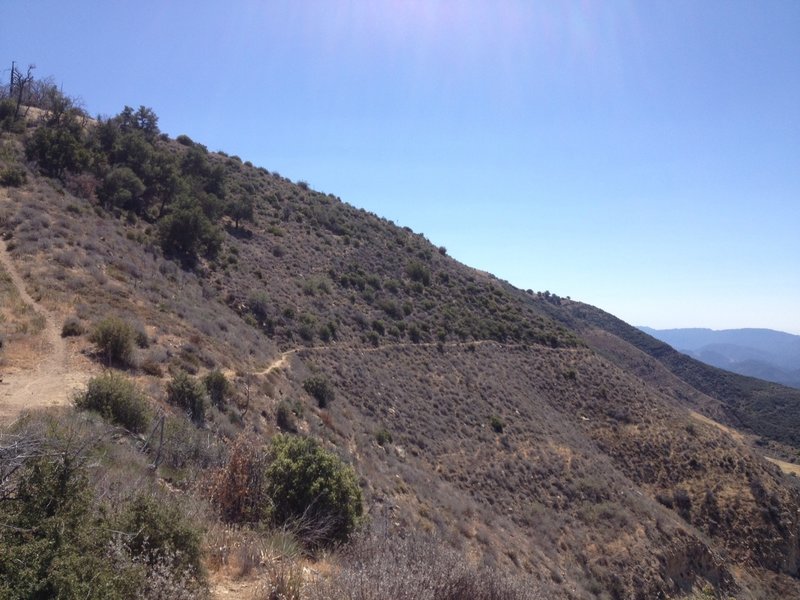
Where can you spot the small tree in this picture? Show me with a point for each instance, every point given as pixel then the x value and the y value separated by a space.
pixel 240 209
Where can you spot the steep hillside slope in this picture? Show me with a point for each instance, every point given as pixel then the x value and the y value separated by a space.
pixel 540 437
pixel 767 409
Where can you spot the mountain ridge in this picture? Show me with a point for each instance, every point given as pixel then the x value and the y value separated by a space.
pixel 763 353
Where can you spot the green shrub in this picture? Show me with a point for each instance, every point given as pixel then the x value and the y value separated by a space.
pixel 284 417
pixel 121 188
pixel 187 232
pixel 312 489
pixel 13 176
pixel 418 273
pixel 259 304
pixel 383 436
pixel 218 387
pixel 160 530
pixel 117 399
pixel 496 423
pixel 321 389
pixel 53 546
pixel 187 393
pixel 114 340
pixel 57 150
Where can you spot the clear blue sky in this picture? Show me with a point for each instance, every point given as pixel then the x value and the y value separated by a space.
pixel 641 156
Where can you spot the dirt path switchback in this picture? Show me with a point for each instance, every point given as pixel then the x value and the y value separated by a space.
pixel 51 382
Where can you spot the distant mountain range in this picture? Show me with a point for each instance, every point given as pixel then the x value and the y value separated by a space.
pixel 762 353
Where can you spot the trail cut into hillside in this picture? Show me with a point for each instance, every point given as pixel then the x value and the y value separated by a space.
pixel 50 382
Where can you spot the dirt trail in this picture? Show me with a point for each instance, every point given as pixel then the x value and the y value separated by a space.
pixel 283 359
pixel 51 382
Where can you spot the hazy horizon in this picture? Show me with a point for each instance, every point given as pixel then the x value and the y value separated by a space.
pixel 640 157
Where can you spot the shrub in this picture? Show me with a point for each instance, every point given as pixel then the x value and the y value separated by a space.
pixel 218 387
pixel 114 339
pixel 140 336
pixel 419 273
pixel 414 567
pixel 187 232
pixel 121 188
pixel 496 423
pixel 13 176
pixel 53 546
pixel 383 437
pixel 284 417
pixel 312 489
pixel 72 327
pixel 160 530
pixel 259 304
pixel 321 389
pixel 56 150
pixel 187 393
pixel 237 489
pixel 116 399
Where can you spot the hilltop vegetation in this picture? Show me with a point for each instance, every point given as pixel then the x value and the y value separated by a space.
pixel 292 374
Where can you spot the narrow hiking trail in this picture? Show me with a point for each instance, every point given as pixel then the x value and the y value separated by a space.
pixel 283 358
pixel 50 382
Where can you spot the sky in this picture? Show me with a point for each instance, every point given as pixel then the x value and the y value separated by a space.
pixel 640 156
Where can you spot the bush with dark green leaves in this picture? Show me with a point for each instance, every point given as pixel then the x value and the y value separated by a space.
pixel 187 232
pixel 312 489
pixel 57 150
pixel 496 423
pixel 418 272
pixel 114 340
pixel 218 387
pixel 52 546
pixel 121 188
pixel 13 176
pixel 321 389
pixel 117 399
pixel 62 538
pixel 189 394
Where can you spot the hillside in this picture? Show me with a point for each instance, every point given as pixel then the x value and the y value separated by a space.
pixel 761 353
pixel 537 438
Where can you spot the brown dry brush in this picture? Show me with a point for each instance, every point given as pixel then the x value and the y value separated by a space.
pixel 416 567
pixel 238 488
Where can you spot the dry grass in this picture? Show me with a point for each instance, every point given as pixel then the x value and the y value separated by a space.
pixel 786 467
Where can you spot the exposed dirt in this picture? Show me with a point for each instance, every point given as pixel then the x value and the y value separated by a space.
pixel 729 430
pixel 51 382
pixel 786 467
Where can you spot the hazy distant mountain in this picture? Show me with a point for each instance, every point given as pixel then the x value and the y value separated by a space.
pixel 763 353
